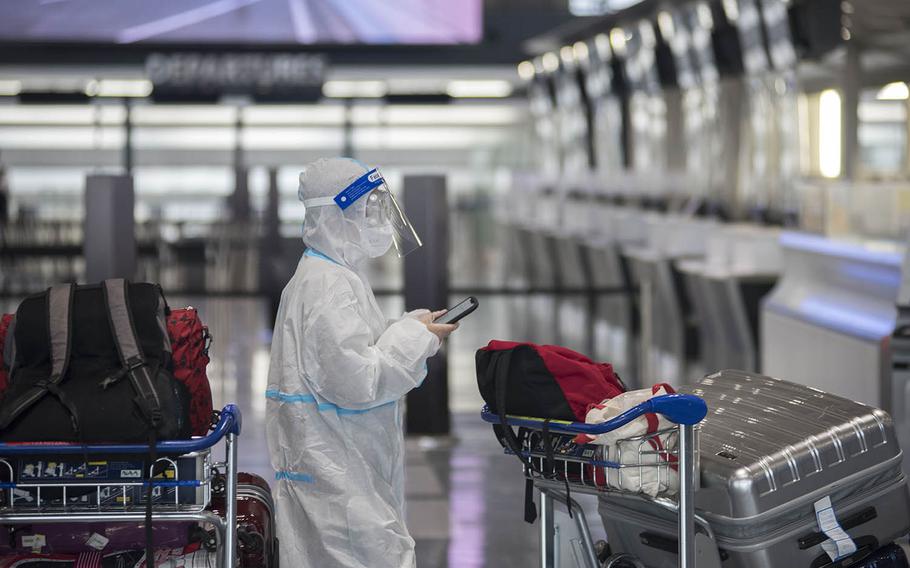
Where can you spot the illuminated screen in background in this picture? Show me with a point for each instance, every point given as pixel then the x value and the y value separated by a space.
pixel 242 21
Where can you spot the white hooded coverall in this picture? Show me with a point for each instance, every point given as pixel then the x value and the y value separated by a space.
pixel 337 375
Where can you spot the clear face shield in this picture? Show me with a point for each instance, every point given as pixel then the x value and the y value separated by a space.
pixel 382 210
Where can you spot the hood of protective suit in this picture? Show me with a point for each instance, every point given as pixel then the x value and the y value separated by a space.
pixel 342 235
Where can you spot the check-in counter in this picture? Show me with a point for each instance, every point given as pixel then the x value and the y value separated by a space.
pixel 574 310
pixel 669 331
pixel 615 325
pixel 726 289
pixel 828 321
pixel 539 233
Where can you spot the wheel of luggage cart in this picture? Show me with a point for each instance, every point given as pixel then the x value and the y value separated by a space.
pixel 556 466
pixel 184 492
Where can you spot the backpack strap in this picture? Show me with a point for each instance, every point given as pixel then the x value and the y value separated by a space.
pixel 134 364
pixel 499 371
pixel 136 367
pixel 60 331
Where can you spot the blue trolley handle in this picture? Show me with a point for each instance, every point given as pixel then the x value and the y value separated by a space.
pixel 685 409
pixel 230 422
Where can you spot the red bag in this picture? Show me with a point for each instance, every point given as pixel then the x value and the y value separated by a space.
pixel 543 381
pixel 5 321
pixel 190 353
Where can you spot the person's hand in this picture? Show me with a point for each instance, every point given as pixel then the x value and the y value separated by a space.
pixel 441 330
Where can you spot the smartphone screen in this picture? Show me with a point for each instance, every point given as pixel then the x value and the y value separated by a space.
pixel 462 309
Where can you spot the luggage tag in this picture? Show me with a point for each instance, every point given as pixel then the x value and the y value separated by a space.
pixel 97 541
pixel 839 543
pixel 34 541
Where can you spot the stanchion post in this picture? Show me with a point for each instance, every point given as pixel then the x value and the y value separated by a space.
pixel 426 285
pixel 109 228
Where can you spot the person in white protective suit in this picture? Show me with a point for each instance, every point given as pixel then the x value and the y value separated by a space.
pixel 337 375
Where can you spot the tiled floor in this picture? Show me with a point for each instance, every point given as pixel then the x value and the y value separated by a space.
pixel 465 498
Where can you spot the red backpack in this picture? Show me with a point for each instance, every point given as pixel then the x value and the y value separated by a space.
pixel 542 381
pixel 6 321
pixel 190 341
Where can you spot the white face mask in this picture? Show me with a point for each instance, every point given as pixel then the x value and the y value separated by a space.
pixel 377 240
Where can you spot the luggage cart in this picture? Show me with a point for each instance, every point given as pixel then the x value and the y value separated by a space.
pixel 592 469
pixel 183 489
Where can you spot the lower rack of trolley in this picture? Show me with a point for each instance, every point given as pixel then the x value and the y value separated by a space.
pixel 50 483
pixel 657 466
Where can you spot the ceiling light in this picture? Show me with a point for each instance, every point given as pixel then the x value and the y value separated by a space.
pixel 416 86
pixel 829 133
pixel 580 49
pixel 667 27
pixel 10 88
pixel 646 31
pixel 550 62
pixel 119 88
pixel 479 89
pixel 894 92
pixel 526 70
pixel 354 89
pixel 602 43
pixel 731 10
pixel 705 17
pixel 618 41
pixel 567 55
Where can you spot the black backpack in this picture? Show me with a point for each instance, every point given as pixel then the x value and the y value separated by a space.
pixel 93 365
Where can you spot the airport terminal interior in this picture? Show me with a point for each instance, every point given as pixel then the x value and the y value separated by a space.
pixel 711 196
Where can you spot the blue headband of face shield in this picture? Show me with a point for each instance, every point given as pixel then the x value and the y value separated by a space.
pixel 357 189
pixel 360 187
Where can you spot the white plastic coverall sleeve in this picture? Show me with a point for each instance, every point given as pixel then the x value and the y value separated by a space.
pixel 347 369
pixel 413 314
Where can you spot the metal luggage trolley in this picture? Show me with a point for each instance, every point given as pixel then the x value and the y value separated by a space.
pixel 81 494
pixel 595 469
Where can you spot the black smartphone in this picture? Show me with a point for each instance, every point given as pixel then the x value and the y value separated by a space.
pixel 462 309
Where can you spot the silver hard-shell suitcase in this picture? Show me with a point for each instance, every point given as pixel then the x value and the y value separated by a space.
pixel 770 449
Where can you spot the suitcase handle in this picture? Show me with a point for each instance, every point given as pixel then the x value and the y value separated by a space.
pixel 230 423
pixel 865 545
pixel 853 521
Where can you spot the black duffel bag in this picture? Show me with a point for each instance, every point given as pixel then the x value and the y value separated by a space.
pixel 93 365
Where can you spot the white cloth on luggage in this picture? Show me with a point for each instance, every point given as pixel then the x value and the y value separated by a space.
pixel 657 475
pixel 337 374
pixel 177 558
